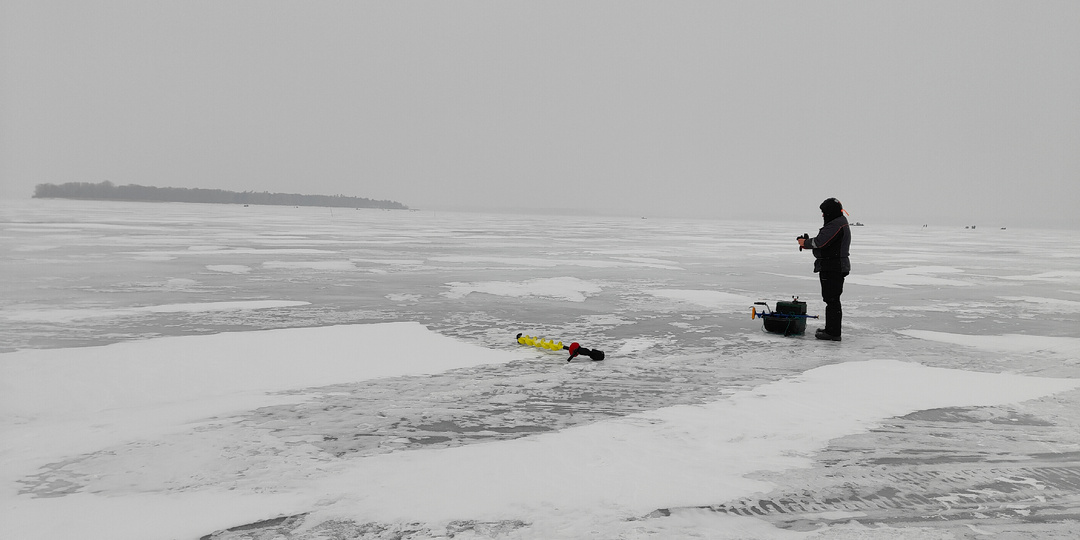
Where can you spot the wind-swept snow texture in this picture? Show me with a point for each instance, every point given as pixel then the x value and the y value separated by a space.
pixel 177 371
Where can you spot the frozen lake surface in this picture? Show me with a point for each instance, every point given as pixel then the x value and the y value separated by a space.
pixel 186 371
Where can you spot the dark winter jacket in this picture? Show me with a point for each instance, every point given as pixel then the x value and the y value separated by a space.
pixel 831 246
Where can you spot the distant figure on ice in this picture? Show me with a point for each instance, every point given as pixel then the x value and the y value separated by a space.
pixel 830 248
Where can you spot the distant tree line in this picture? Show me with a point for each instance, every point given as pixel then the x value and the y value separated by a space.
pixel 107 191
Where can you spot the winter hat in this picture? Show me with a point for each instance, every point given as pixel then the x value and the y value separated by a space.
pixel 831 208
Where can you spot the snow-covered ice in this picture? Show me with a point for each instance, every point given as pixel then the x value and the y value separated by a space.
pixel 159 380
pixel 70 315
pixel 1066 348
pixel 564 288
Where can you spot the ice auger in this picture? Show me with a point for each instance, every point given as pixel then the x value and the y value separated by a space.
pixel 574 348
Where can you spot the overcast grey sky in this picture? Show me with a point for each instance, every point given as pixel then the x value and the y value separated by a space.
pixel 908 111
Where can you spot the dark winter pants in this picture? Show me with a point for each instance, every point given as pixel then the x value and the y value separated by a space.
pixel 832 286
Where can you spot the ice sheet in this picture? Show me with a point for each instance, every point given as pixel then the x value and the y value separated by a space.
pixel 75 400
pixel 191 368
pixel 670 457
pixel 909 277
pixel 71 315
pixel 717 300
pixel 122 445
pixel 563 288
pixel 310 265
pixel 597 475
pixel 229 268
pixel 1066 347
pixel 1050 305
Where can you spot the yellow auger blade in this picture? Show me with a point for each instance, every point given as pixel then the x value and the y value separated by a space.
pixel 540 343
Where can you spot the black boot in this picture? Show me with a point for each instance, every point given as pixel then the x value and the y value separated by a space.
pixel 822 334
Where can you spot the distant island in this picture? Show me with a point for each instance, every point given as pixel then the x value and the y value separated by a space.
pixel 107 191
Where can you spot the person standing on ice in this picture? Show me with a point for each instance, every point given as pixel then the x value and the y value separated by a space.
pixel 830 249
